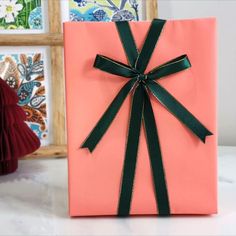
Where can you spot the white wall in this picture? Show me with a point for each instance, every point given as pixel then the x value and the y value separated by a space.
pixel 225 12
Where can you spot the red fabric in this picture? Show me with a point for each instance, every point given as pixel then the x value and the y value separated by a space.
pixel 16 138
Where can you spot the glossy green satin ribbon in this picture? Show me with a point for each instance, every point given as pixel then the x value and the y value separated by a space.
pixel 142 85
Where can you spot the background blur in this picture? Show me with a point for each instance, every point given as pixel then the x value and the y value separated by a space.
pixel 225 12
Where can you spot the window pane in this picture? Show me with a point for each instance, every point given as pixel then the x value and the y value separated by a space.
pixel 22 16
pixel 25 70
pixel 105 10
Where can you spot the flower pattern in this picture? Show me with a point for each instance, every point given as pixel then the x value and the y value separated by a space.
pixel 25 74
pixel 20 14
pixel 35 18
pixel 92 14
pixel 104 10
pixel 9 10
pixel 81 3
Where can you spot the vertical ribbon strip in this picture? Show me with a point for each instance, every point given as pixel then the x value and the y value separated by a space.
pixel 142 86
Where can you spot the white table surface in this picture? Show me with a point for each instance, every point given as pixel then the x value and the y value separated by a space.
pixel 33 201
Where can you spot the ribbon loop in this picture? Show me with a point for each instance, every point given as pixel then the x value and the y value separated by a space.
pixel 171 67
pixel 114 67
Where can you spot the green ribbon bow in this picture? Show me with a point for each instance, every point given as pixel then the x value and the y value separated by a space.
pixel 142 85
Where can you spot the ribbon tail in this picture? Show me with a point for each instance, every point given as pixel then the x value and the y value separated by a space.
pixel 151 40
pixel 155 155
pixel 179 111
pixel 131 153
pixel 103 124
pixel 127 41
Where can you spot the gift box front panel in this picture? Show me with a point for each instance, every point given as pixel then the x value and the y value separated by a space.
pixel 190 165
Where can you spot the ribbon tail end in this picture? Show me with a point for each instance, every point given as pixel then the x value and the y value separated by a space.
pixel 83 146
pixel 203 138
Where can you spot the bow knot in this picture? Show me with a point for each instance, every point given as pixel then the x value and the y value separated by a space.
pixel 142 78
pixel 141 110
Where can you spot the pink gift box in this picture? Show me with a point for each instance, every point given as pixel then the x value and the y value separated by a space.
pixel 190 165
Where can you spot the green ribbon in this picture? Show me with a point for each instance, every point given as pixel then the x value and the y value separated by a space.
pixel 142 86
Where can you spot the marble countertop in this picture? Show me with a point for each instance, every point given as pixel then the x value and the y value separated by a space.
pixel 33 201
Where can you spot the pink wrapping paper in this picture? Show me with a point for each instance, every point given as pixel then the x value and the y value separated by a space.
pixel 190 165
